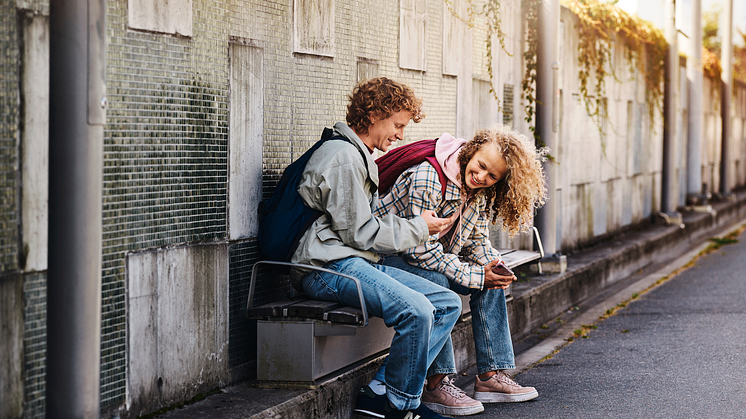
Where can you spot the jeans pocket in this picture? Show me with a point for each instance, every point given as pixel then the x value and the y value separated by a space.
pixel 317 287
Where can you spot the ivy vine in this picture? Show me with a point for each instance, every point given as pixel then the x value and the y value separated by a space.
pixel 528 85
pixel 491 11
pixel 600 24
pixel 710 64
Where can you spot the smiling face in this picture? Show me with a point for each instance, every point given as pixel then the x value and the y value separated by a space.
pixel 384 132
pixel 485 168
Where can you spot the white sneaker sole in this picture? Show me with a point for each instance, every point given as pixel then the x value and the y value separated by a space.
pixel 442 409
pixel 368 413
pixel 490 397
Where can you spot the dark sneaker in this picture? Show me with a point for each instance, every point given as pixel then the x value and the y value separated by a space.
pixel 370 404
pixel 422 412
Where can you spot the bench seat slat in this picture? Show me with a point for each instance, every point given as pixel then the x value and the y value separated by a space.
pixel 312 309
pixel 514 258
pixel 274 309
pixel 346 315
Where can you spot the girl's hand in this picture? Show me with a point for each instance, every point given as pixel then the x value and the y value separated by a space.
pixel 493 280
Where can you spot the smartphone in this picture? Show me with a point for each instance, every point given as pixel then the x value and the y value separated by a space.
pixel 502 270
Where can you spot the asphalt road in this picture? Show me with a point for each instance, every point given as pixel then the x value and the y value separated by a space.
pixel 677 351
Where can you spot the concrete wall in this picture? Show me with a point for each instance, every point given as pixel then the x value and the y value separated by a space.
pixel 177 324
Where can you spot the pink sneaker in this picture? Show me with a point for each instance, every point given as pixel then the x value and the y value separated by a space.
pixel 500 388
pixel 447 399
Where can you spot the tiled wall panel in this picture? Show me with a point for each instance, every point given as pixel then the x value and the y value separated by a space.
pixel 9 176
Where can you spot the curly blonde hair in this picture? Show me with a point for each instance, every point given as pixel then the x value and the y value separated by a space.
pixel 381 97
pixel 523 187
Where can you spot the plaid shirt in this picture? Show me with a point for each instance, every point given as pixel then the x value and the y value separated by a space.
pixel 462 254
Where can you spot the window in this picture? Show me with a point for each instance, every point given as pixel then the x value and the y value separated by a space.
pixel 412 15
pixel 165 16
pixel 245 139
pixel 366 69
pixel 313 27
pixel 452 36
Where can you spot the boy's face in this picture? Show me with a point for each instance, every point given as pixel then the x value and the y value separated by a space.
pixel 384 132
pixel 485 168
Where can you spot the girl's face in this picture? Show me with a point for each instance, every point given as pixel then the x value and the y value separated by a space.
pixel 485 168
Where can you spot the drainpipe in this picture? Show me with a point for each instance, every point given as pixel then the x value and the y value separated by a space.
pixel 668 213
pixel 726 84
pixel 77 114
pixel 696 195
pixel 547 60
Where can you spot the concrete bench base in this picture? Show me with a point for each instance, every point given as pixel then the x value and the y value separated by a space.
pixel 306 350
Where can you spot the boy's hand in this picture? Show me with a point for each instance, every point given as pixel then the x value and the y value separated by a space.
pixel 435 224
pixel 493 280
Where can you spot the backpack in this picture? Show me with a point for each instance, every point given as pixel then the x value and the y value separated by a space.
pixel 284 218
pixel 396 161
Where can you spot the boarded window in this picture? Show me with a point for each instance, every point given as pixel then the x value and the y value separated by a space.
pixel 366 69
pixel 246 140
pixel 452 36
pixel 485 107
pixel 35 141
pixel 165 16
pixel 313 27
pixel 412 34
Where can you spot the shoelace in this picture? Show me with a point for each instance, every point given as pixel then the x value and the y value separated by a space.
pixel 448 386
pixel 502 376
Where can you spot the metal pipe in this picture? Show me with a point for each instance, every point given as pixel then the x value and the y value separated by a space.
pixel 694 149
pixel 77 113
pixel 547 55
pixel 726 78
pixel 668 194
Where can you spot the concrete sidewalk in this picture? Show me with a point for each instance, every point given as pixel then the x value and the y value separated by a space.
pixel 594 275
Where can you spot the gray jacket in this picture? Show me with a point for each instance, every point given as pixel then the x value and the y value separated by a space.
pixel 336 182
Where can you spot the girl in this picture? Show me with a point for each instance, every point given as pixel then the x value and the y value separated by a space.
pixel 497 174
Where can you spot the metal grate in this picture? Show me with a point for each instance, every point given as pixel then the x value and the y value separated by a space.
pixel 508 105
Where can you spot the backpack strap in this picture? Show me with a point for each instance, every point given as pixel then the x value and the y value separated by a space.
pixel 328 134
pixel 284 217
pixel 441 175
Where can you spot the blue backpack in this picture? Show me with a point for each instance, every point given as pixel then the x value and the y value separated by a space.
pixel 284 218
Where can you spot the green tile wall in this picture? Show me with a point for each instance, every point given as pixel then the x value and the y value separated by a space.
pixel 35 343
pixel 165 156
pixel 242 331
pixel 9 153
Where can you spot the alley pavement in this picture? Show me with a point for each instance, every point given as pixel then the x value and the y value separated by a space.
pixel 676 351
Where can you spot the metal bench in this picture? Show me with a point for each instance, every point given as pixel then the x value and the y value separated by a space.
pixel 300 340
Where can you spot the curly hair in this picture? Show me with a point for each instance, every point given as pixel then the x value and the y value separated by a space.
pixel 381 97
pixel 523 187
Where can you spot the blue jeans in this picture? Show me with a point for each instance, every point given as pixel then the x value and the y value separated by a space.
pixel 422 319
pixel 489 323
